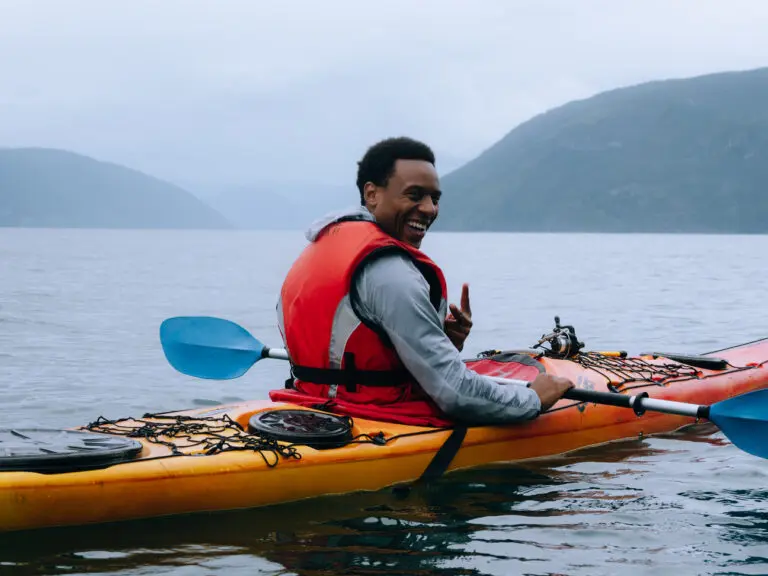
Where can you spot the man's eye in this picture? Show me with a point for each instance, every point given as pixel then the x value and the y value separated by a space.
pixel 418 196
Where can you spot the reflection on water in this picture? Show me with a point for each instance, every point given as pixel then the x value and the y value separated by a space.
pixel 622 507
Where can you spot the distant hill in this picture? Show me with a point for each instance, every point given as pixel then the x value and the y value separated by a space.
pixel 41 187
pixel 289 204
pixel 686 155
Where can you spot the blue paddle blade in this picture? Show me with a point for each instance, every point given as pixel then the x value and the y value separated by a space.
pixel 744 421
pixel 207 347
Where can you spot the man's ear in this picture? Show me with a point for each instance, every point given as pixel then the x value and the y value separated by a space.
pixel 369 195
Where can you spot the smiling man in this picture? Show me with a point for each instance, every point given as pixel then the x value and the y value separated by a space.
pixel 364 316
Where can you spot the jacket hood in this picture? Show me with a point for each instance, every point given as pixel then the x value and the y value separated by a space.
pixel 351 213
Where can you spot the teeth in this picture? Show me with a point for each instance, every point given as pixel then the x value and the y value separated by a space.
pixel 418 225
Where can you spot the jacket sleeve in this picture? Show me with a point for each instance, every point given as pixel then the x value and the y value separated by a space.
pixel 393 294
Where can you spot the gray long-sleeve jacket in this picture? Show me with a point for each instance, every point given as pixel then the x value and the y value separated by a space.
pixel 395 295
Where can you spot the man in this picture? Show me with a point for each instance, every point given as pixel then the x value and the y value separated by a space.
pixel 363 312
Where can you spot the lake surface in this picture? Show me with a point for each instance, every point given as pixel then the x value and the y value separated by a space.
pixel 79 317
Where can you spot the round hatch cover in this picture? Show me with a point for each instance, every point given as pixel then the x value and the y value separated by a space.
pixel 53 451
pixel 315 429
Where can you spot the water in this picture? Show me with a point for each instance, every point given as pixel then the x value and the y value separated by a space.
pixel 79 319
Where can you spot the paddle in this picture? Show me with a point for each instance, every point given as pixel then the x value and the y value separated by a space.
pixel 218 349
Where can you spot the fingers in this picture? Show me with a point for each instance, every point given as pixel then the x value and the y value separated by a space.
pixel 550 389
pixel 459 322
pixel 456 326
pixel 457 330
pixel 457 336
pixel 460 316
pixel 465 300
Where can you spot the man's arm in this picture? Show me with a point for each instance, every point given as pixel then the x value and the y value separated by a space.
pixel 394 294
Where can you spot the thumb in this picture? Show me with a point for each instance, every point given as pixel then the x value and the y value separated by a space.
pixel 465 307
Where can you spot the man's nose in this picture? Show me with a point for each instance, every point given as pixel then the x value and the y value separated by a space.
pixel 427 205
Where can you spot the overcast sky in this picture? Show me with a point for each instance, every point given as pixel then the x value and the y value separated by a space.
pixel 232 91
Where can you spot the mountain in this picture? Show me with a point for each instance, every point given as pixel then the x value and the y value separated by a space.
pixel 280 205
pixel 683 155
pixel 287 204
pixel 41 187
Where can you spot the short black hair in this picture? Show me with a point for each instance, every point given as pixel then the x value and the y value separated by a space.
pixel 378 163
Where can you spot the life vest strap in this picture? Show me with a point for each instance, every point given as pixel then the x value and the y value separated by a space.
pixel 351 377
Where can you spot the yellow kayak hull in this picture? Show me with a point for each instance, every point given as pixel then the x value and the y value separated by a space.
pixel 158 483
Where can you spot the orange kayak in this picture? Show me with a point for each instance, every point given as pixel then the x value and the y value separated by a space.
pixel 259 453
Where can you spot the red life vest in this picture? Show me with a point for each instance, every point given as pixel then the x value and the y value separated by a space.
pixel 335 355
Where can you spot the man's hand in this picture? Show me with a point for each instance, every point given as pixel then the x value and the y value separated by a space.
pixel 550 389
pixel 459 321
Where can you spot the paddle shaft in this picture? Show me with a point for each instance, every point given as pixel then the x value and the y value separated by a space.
pixel 276 353
pixel 640 403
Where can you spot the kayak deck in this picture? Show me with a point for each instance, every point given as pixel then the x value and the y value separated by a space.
pixel 209 459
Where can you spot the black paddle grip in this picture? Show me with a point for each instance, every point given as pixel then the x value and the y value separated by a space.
pixel 608 398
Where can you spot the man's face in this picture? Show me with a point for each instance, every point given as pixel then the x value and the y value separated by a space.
pixel 406 207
